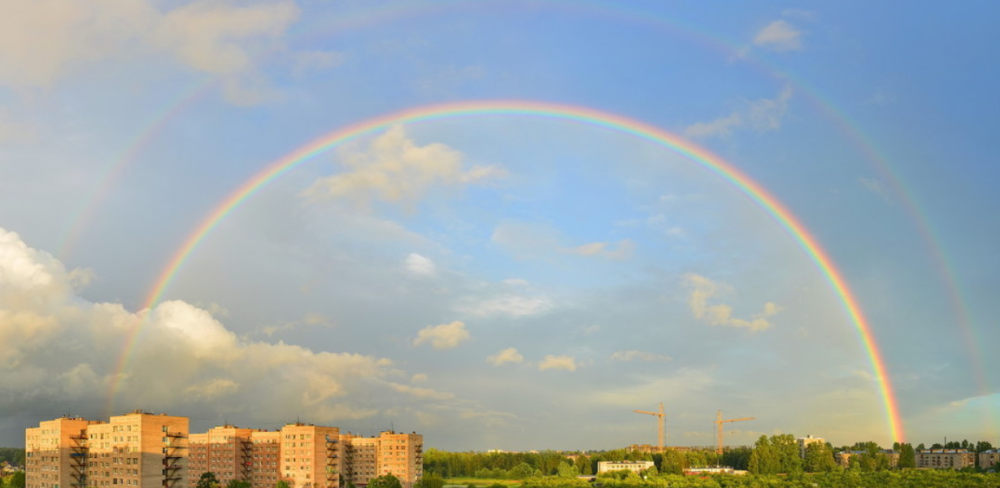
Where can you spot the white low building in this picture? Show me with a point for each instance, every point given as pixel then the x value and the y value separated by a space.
pixel 633 466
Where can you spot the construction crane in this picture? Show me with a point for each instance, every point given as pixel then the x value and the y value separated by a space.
pixel 660 416
pixel 719 421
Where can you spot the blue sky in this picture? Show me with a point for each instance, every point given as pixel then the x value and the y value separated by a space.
pixel 501 282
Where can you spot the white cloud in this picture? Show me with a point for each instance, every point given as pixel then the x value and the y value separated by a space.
pixel 703 289
pixel 718 127
pixel 765 114
pixel 55 344
pixel 567 363
pixel 875 186
pixel 509 355
pixel 506 304
pixel 779 36
pixel 44 40
pixel 395 169
pixel 444 336
pixel 418 378
pixel 420 265
pixel 639 356
pixel 515 282
pixel 603 249
pixel 591 330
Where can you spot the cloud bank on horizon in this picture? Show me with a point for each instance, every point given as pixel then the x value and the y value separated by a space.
pixel 468 277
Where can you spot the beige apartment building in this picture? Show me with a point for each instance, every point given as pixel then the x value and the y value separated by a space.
pixel 266 451
pixel 156 451
pixel 804 443
pixel 945 458
pixel 55 454
pixel 401 455
pixel 988 459
pixel 138 449
pixel 226 451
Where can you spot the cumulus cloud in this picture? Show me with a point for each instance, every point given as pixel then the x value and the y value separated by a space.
pixel 567 363
pixel 56 345
pixel 509 355
pixel 420 265
pixel 42 41
pixel 623 250
pixel 639 356
pixel 509 304
pixel 779 36
pixel 444 336
pixel 763 115
pixel 395 169
pixel 703 289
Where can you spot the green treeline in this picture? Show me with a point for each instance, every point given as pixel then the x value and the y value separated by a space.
pixel 12 455
pixel 912 478
pixel 521 465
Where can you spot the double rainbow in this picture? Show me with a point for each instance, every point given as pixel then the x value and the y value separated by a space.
pixel 576 114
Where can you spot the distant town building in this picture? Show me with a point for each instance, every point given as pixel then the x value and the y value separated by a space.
pixel 633 466
pixel 805 441
pixel 945 458
pixel 844 457
pixel 988 459
pixel 144 450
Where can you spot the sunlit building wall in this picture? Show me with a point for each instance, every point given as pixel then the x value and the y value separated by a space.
pixel 56 454
pixel 945 458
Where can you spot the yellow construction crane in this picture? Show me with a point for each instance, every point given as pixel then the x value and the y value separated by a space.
pixel 719 421
pixel 660 416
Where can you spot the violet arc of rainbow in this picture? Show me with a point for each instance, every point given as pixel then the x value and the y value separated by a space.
pixel 583 115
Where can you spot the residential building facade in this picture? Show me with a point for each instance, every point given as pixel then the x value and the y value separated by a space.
pixel 989 459
pixel 945 458
pixel 144 450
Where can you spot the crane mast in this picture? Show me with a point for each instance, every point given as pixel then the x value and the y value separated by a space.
pixel 719 421
pixel 660 415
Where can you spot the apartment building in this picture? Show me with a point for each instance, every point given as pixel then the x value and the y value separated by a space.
pixel 266 452
pixel 989 459
pixel 55 454
pixel 401 455
pixel 156 451
pixel 804 443
pixel 945 458
pixel 138 449
pixel 844 457
pixel 310 456
pixel 226 451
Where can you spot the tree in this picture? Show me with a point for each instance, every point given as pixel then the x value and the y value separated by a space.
pixel 208 480
pixel 234 483
pixel 819 458
pixel 522 471
pixel 385 481
pixel 567 470
pixel 16 480
pixel 907 457
pixel 280 484
pixel 431 481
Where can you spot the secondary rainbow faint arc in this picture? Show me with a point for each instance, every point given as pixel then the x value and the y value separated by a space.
pixel 552 111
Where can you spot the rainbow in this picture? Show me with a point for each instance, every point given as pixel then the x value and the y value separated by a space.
pixel 576 114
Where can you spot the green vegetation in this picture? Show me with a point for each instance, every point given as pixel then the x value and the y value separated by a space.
pixel 385 481
pixel 208 480
pixel 12 455
pixel 15 480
